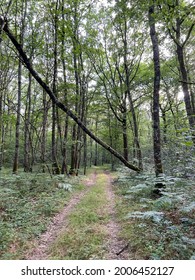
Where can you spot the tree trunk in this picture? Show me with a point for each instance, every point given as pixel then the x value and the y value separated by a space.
pixel 44 131
pixel 17 132
pixel 125 137
pixel 76 130
pixel 64 169
pixel 1 129
pixel 96 146
pixel 185 87
pixel 55 166
pixel 132 109
pixel 27 130
pixel 157 74
pixel 62 106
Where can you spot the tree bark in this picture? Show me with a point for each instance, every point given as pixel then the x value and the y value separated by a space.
pixel 63 107
pixel 55 166
pixel 185 87
pixel 1 129
pixel 157 74
pixel 64 169
pixel 128 94
pixel 27 131
pixel 17 132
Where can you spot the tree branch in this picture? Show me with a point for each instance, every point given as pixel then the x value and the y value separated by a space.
pixel 189 83
pixel 188 35
pixel 60 105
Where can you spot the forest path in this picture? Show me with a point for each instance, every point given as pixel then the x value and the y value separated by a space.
pixel 59 222
pixel 113 244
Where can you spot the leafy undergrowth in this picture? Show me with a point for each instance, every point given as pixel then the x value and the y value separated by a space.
pixel 157 228
pixel 84 237
pixel 27 204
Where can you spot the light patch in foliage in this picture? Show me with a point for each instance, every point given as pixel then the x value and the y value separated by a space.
pixel 148 215
pixel 66 187
pixel 139 189
pixel 189 208
pixel 163 203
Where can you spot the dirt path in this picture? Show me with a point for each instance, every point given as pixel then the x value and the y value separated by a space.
pixel 116 247
pixel 59 222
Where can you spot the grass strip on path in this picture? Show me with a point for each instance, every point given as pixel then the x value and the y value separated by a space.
pixel 85 235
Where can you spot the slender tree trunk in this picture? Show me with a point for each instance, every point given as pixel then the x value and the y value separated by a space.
pixel 55 166
pixel 85 151
pixel 75 130
pixel 111 138
pixel 60 105
pixel 164 126
pixel 96 146
pixel 44 131
pixel 91 152
pixel 64 169
pixel 125 137
pixel 137 147
pixel 83 97
pixel 185 87
pixel 1 129
pixel 128 94
pixel 180 46
pixel 17 132
pixel 157 74
pixel 27 129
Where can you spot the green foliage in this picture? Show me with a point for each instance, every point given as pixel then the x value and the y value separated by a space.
pixel 161 228
pixel 27 204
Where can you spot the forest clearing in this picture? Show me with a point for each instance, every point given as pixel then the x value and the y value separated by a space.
pixel 97 129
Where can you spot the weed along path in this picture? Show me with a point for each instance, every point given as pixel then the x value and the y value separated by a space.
pixel 86 228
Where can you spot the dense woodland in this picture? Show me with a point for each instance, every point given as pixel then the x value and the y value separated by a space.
pixel 90 83
pixel 123 68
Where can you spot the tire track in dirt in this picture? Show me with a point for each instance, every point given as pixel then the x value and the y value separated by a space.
pixel 59 222
pixel 116 247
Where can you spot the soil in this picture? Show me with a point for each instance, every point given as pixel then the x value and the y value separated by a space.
pixel 116 247
pixel 59 222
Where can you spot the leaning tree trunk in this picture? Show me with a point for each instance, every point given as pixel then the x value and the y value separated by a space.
pixel 60 105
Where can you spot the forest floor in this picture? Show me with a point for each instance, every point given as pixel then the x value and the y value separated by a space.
pixel 50 244
pixel 104 215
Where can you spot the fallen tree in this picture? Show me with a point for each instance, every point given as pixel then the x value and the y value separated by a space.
pixel 27 63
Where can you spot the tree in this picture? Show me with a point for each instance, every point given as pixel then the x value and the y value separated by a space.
pixel 60 105
pixel 157 75
pixel 180 26
pixel 17 135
